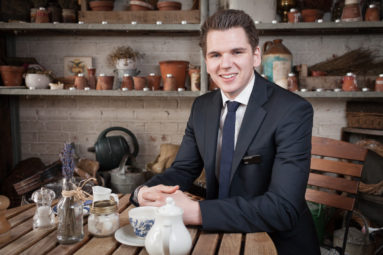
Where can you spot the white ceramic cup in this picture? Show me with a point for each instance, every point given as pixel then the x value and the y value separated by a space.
pixel 102 193
pixel 142 219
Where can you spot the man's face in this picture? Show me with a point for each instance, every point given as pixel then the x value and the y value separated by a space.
pixel 230 61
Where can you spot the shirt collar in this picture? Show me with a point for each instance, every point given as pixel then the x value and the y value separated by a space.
pixel 244 96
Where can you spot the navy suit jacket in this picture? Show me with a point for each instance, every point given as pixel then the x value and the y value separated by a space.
pixel 268 195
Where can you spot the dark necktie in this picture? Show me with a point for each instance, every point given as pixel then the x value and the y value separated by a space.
pixel 227 149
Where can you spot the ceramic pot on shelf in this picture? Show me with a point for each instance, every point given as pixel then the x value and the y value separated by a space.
pixel 105 82
pixel 349 82
pixel 127 82
pixel 276 62
pixel 195 79
pixel 351 11
pixel 12 75
pixel 311 15
pixel 170 83
pixel 154 81
pixel 177 68
pixel 169 6
pixel 139 5
pixel 372 13
pixel 139 82
pixel 68 16
pixel 101 5
pixel 42 16
pixel 37 81
pixel 80 81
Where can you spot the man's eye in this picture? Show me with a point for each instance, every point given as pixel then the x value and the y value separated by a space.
pixel 237 52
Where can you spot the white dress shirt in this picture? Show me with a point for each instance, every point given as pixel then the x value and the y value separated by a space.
pixel 243 99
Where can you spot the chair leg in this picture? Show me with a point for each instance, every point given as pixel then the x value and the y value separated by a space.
pixel 347 224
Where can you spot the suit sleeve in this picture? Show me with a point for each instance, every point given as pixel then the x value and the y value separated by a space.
pixel 188 163
pixel 279 208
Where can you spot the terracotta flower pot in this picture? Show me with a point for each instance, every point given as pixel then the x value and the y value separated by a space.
pixel 101 5
pixel 138 5
pixel 139 82
pixel 105 82
pixel 12 75
pixel 177 68
pixel 127 82
pixel 154 81
pixel 168 6
pixel 311 15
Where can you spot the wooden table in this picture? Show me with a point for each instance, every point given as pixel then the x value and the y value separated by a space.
pixel 25 240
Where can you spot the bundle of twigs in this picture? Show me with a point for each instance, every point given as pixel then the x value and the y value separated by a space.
pixel 359 61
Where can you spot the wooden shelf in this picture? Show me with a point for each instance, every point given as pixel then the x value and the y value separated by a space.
pixel 101 93
pixel 302 28
pixel 363 131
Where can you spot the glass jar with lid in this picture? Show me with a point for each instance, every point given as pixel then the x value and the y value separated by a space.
pixel 104 218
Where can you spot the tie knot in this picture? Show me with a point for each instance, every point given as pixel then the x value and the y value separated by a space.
pixel 232 106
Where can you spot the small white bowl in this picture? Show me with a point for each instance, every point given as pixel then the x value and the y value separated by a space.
pixel 142 219
pixel 37 81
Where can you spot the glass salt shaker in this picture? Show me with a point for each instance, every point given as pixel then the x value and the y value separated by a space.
pixel 104 218
pixel 44 217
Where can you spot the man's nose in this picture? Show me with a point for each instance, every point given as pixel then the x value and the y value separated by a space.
pixel 226 61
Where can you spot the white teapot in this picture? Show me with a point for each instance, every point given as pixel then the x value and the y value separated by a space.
pixel 168 235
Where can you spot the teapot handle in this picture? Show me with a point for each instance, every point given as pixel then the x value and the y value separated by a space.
pixel 166 230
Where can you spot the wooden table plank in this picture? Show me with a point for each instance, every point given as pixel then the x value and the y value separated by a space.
pixel 127 250
pixel 43 246
pixel 16 210
pixel 98 245
pixel 71 248
pixel 206 243
pixel 259 243
pixel 143 252
pixel 25 241
pixel 18 219
pixel 18 231
pixel 230 244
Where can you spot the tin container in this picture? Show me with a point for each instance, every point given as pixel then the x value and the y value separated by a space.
pixel 372 13
pixel 292 82
pixel 293 16
pixel 379 83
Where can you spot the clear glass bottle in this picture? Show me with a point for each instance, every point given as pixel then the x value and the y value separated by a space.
pixel 70 216
pixel 103 219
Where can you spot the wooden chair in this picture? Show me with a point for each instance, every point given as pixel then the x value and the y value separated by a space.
pixel 336 167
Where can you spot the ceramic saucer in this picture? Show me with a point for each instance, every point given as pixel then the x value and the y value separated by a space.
pixel 125 235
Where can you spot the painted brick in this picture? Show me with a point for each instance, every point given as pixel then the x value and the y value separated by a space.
pixel 169 127
pixel 151 115
pixel 53 137
pixel 86 115
pixel 32 125
pixel 28 137
pixel 52 114
pixel 55 125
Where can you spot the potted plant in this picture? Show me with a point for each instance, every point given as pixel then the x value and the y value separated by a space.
pixel 124 59
pixel 101 5
pixel 37 77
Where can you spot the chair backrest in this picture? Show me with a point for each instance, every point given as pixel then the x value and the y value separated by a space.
pixel 334 163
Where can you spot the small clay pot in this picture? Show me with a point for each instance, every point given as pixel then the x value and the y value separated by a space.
pixel 137 5
pixel 372 13
pixel 351 12
pixel 349 82
pixel 168 6
pixel 80 81
pixel 101 5
pixel 379 83
pixel 170 83
pixel 12 75
pixel 127 82
pixel 42 16
pixel 310 15
pixel 195 79
pixel 139 82
pixel 293 16
pixel 154 81
pixel 105 82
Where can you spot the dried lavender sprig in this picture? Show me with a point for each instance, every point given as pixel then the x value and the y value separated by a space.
pixel 67 159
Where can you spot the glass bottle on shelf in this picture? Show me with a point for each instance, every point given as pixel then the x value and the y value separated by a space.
pixel 284 7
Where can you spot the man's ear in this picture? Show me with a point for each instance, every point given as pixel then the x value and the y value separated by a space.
pixel 257 57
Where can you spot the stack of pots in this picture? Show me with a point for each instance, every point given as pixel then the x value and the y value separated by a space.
pixel 177 68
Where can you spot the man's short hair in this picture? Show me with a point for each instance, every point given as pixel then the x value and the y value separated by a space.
pixel 226 19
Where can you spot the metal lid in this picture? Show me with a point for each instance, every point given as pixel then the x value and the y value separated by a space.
pixel 381 75
pixel 372 6
pixel 80 75
pixel 293 10
pixel 291 74
pixel 152 74
pixel 102 74
pixel 169 75
pixel 126 75
pixel 104 207
pixel 350 74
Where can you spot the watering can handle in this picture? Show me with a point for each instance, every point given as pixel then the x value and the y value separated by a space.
pixel 121 169
pixel 266 46
pixel 127 131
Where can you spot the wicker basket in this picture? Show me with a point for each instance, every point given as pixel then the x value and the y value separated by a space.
pixel 365 120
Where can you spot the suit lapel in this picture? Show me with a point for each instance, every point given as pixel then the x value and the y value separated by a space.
pixel 211 132
pixel 252 120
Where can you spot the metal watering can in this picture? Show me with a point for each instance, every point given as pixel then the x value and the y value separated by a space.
pixel 111 149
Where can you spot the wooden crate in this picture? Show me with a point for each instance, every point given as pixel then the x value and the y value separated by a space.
pixel 364 115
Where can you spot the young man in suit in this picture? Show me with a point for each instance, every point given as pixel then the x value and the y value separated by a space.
pixel 252 137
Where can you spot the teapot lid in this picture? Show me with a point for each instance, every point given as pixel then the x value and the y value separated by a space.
pixel 170 209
